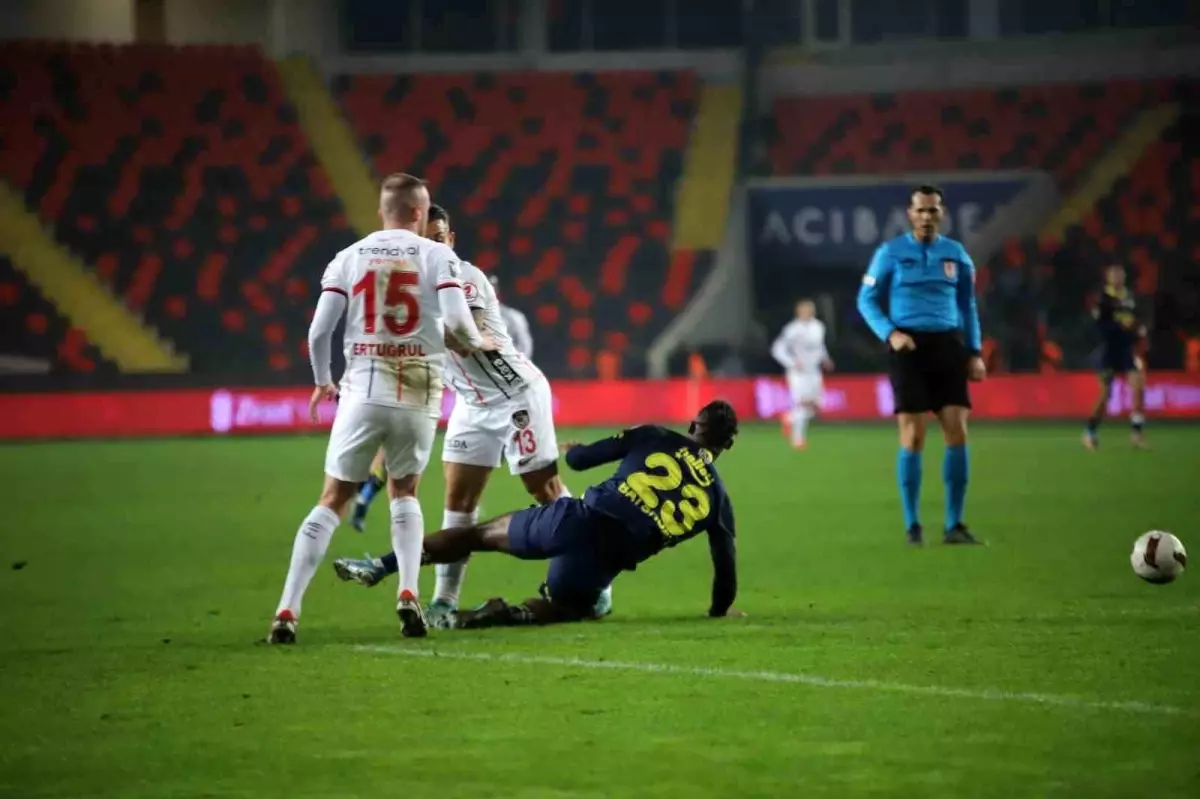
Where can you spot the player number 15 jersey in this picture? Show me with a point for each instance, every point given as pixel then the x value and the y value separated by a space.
pixel 393 337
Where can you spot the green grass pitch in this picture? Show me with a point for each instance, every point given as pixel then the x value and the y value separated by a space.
pixel 1036 667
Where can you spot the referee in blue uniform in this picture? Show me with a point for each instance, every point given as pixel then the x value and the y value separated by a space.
pixel 931 327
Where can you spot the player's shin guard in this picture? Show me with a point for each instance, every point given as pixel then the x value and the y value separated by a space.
pixel 450 575
pixel 312 540
pixel 955 472
pixel 408 533
pixel 908 475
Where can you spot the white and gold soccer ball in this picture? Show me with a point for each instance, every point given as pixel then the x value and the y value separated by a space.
pixel 1158 557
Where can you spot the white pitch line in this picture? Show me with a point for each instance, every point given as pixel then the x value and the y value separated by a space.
pixel 990 695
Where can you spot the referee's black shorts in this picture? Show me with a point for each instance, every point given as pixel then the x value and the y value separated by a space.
pixel 931 376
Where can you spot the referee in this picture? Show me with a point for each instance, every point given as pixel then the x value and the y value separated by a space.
pixel 928 281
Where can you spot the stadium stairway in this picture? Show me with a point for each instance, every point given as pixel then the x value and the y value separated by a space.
pixel 60 277
pixel 1116 163
pixel 332 142
pixel 702 195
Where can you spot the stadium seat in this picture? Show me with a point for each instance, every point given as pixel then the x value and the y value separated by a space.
pixel 31 328
pixel 181 176
pixel 1058 128
pixel 560 183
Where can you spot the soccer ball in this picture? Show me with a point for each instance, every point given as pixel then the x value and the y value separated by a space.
pixel 1158 557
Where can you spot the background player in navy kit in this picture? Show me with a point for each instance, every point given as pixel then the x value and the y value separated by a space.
pixel 928 281
pixel 665 491
pixel 1116 321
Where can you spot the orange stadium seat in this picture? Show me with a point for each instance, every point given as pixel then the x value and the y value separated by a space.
pixel 562 183
pixel 181 175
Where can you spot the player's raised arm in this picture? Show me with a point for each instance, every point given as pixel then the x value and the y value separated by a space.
pixel 582 457
pixel 874 288
pixel 967 307
pixel 722 545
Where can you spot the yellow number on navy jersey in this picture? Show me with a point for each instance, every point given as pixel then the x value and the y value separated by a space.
pixel 663 473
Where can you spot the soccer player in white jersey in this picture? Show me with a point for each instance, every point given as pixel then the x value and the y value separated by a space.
pixel 515 322
pixel 800 350
pixel 398 292
pixel 518 330
pixel 504 411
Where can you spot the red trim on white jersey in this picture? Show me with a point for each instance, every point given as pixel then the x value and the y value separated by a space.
pixel 467 377
pixel 450 284
pixel 336 290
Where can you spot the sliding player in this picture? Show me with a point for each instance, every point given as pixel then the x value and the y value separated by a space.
pixel 1119 336
pixel 503 411
pixel 665 491
pixel 800 350
pixel 395 289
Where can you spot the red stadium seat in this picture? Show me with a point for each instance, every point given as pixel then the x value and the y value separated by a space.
pixel 561 182
pixel 181 175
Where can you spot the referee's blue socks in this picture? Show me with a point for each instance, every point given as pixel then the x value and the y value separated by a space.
pixel 955 470
pixel 908 473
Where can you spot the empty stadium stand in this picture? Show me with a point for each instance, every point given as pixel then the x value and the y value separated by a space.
pixel 1058 128
pixel 561 183
pixel 181 176
pixel 31 329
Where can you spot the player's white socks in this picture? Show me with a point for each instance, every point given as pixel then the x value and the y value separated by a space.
pixel 800 417
pixel 450 576
pixel 408 534
pixel 312 539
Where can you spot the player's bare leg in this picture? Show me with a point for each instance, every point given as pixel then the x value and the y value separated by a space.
pixel 911 428
pixel 408 533
pixel 955 473
pixel 456 543
pixel 1091 434
pixel 308 550
pixel 1137 415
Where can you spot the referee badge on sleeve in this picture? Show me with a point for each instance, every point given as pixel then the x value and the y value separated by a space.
pixel 950 268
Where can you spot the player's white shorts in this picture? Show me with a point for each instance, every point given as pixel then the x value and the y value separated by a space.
pixel 520 430
pixel 360 429
pixel 806 386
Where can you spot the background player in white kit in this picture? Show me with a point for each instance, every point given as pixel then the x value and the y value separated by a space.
pixel 504 411
pixel 515 322
pixel 396 289
pixel 800 350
